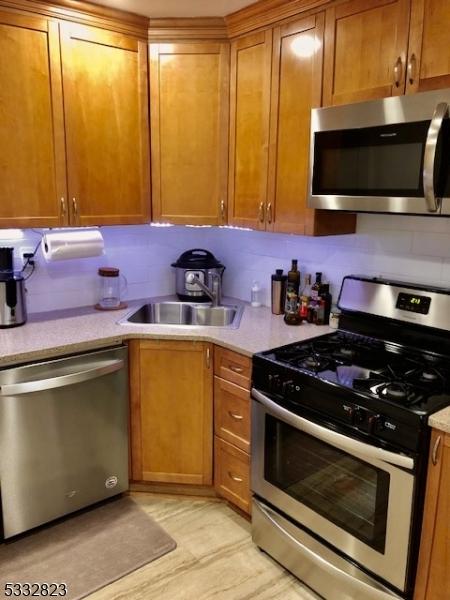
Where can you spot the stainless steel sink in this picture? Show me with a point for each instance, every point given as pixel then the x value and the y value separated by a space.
pixel 186 313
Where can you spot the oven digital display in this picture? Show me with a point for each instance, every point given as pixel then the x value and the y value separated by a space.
pixel 413 303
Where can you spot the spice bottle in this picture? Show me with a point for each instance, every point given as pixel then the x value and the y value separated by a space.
pixel 291 316
pixel 278 292
pixel 305 298
pixel 316 287
pixel 256 294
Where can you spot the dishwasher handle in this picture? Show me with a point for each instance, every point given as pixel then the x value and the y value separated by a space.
pixel 27 387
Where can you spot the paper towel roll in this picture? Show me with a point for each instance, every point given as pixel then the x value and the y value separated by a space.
pixel 62 244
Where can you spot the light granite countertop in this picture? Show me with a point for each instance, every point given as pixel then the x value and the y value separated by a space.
pixel 50 334
pixel 56 333
pixel 441 420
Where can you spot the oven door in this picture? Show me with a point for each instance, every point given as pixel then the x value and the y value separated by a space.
pixel 356 497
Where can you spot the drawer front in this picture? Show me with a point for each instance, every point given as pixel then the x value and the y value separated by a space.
pixel 232 474
pixel 232 413
pixel 233 367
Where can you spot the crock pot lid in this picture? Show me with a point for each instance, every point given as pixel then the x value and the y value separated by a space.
pixel 197 258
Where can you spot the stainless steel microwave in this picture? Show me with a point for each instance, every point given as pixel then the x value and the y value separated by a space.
pixel 390 155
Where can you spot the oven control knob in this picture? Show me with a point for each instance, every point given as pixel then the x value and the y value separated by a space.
pixel 288 387
pixel 373 422
pixel 274 383
pixel 359 416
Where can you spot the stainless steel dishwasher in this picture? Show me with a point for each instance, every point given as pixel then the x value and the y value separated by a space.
pixel 63 436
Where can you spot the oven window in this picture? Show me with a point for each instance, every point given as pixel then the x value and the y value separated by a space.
pixel 371 161
pixel 349 492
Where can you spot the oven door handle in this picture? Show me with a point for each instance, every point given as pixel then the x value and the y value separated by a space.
pixel 332 437
pixel 430 156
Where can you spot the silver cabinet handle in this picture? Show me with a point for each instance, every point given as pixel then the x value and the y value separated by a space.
pixel 235 369
pixel 75 207
pixel 430 156
pixel 222 210
pixel 63 207
pixel 27 387
pixel 411 69
pixel 235 477
pixel 332 437
pixel 269 212
pixel 434 456
pixel 398 71
pixel 235 416
pixel 261 212
pixel 208 358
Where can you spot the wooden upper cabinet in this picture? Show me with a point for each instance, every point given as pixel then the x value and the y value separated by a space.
pixel 365 53
pixel 189 123
pixel 32 160
pixel 171 411
pixel 296 88
pixel 249 129
pixel 107 133
pixel 429 46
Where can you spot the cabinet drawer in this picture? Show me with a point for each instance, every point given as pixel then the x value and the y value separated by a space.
pixel 233 367
pixel 232 413
pixel 232 474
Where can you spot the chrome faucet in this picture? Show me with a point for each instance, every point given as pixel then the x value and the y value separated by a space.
pixel 215 293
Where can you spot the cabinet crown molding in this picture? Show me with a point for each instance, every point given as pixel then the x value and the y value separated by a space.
pixel 200 28
pixel 267 12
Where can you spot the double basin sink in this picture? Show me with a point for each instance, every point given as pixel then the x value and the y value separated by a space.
pixel 186 313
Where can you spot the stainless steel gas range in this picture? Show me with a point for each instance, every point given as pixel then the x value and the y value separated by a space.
pixel 340 440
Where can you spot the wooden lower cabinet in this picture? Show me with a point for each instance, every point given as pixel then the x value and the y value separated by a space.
pixel 171 411
pixel 433 576
pixel 232 474
pixel 232 418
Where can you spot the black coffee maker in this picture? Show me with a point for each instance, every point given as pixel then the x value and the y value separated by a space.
pixel 13 310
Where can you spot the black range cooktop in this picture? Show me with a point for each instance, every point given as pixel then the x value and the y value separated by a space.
pixel 382 370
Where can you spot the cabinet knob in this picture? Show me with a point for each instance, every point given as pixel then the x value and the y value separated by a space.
pixel 398 70
pixel 235 416
pixel 412 68
pixel 261 212
pixel 234 477
pixel 434 454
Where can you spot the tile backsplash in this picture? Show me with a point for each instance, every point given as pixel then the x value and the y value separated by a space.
pixel 402 247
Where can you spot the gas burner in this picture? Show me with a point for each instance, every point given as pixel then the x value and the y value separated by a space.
pixel 429 376
pixel 395 390
pixel 314 362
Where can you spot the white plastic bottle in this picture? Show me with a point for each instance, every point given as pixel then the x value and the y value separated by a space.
pixel 256 294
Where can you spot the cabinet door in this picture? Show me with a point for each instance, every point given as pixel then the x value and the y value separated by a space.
pixel 189 122
pixel 365 53
pixel 429 46
pixel 106 110
pixel 433 576
pixel 32 159
pixel 249 129
pixel 297 65
pixel 171 418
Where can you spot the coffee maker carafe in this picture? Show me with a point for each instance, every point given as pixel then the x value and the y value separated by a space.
pixel 13 310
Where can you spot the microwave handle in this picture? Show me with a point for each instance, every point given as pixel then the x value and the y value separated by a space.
pixel 430 156
pixel 331 437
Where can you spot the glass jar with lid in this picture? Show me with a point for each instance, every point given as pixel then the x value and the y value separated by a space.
pixel 112 287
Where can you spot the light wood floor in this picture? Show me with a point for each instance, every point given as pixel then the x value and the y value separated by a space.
pixel 215 559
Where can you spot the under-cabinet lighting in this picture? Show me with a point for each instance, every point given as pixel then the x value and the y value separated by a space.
pixel 12 234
